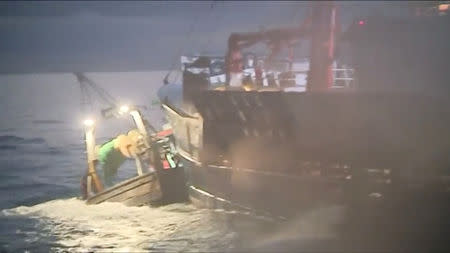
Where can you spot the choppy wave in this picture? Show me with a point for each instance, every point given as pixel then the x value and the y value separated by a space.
pixel 7 130
pixel 30 145
pixel 8 147
pixel 51 151
pixel 48 121
pixel 12 139
pixel 174 228
pixel 114 226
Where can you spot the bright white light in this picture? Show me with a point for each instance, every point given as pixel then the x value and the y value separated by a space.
pixel 124 109
pixel 88 122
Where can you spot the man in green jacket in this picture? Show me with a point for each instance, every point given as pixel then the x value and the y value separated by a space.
pixel 112 155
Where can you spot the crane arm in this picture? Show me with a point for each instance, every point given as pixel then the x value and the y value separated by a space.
pixel 272 37
pixel 244 40
pixel 103 94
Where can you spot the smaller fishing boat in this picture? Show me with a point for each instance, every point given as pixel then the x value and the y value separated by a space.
pixel 137 191
pixel 159 175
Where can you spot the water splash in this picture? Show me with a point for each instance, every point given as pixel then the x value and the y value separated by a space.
pixel 114 226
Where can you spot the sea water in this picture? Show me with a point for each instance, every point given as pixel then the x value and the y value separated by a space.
pixel 42 158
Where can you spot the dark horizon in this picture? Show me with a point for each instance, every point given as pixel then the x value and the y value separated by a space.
pixel 138 36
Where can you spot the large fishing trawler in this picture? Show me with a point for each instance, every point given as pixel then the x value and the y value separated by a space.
pixel 280 143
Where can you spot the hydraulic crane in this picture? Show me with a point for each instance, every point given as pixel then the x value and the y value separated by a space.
pixel 320 26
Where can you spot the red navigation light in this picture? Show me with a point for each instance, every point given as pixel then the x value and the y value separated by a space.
pixel 361 22
pixel 443 7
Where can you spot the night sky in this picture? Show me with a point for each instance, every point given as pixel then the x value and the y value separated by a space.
pixel 137 36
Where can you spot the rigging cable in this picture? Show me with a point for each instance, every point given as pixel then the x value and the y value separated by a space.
pixel 86 100
pixel 182 46
pixel 103 94
pixel 207 43
pixel 179 51
pixel 217 20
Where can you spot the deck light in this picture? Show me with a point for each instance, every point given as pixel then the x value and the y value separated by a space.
pixel 88 122
pixel 124 109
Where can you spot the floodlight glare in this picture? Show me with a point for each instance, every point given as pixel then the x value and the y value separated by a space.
pixel 124 109
pixel 88 122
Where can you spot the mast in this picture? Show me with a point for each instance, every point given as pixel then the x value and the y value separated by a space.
pixel 324 16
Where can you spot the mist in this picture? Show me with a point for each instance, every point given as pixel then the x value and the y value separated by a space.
pixel 104 36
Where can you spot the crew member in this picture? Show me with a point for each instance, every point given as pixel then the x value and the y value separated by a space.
pixel 234 63
pixel 258 74
pixel 113 154
pixel 110 158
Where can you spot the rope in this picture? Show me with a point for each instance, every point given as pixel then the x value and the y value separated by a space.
pixel 219 18
pixel 181 48
pixel 207 43
pixel 86 100
pixel 103 94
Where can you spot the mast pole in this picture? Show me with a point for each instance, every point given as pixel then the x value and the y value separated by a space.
pixel 323 31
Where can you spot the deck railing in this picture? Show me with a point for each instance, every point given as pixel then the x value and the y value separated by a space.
pixel 342 78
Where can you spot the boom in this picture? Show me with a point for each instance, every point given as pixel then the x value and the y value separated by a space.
pixel 320 26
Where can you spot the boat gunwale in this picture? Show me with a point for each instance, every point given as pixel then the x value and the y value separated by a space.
pixel 121 184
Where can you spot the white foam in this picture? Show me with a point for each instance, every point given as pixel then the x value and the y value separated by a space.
pixel 115 226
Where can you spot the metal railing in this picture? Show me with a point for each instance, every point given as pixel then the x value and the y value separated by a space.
pixel 342 78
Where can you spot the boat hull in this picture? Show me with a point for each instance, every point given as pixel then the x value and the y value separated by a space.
pixel 294 151
pixel 263 193
pixel 137 191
